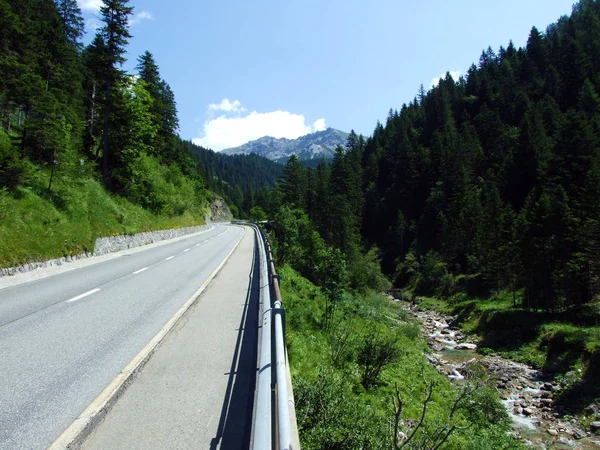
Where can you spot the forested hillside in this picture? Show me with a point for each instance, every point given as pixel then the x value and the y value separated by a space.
pixel 485 183
pixel 87 149
pixel 496 176
pixel 481 198
pixel 239 178
pixel 64 107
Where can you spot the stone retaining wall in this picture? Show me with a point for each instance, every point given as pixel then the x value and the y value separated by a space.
pixel 108 245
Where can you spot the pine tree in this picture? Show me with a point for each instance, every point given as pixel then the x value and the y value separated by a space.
pixel 73 24
pixel 164 107
pixel 115 33
pixel 293 183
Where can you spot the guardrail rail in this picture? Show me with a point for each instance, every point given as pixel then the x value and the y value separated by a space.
pixel 274 421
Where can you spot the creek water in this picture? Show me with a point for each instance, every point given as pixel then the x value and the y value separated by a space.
pixel 528 400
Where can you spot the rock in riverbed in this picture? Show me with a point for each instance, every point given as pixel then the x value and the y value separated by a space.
pixel 466 346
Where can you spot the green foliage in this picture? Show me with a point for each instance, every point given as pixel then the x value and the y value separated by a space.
pixel 35 227
pixel 12 167
pixel 330 419
pixel 293 183
pixel 365 272
pixel 67 111
pixel 161 189
pixel 328 366
pixel 244 180
pixel 257 214
pixel 376 351
pixel 489 182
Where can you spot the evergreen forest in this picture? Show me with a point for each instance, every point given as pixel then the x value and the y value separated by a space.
pixel 480 198
pixel 92 149
pixel 486 183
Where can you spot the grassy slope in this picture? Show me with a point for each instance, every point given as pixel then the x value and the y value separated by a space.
pixel 36 228
pixel 566 345
pixel 367 413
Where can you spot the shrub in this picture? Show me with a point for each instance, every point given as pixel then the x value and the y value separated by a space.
pixel 12 167
pixel 328 418
pixel 375 352
pixel 162 189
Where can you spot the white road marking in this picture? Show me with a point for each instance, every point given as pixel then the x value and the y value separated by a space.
pixel 186 250
pixel 85 294
pixel 170 257
pixel 140 271
pixel 197 245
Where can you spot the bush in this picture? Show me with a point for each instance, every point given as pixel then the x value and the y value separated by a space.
pixel 375 352
pixel 12 167
pixel 366 272
pixel 161 189
pixel 329 419
pixel 343 342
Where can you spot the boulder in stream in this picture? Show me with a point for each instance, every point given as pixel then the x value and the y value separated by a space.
pixel 466 346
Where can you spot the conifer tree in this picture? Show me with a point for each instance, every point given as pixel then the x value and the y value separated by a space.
pixel 115 34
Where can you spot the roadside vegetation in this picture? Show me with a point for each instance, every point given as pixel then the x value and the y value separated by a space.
pixel 86 149
pixel 359 367
pixel 36 228
pixel 355 376
pixel 480 197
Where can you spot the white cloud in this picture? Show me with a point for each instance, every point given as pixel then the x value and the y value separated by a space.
pixel 139 17
pixel 319 125
pixel 90 5
pixel 454 73
pixel 93 24
pixel 227 106
pixel 225 132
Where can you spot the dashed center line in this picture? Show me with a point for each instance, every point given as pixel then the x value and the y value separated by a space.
pixel 170 257
pixel 197 245
pixel 140 271
pixel 186 250
pixel 85 294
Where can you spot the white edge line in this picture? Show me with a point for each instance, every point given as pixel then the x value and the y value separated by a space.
pixel 170 257
pixel 85 294
pixel 76 433
pixel 140 270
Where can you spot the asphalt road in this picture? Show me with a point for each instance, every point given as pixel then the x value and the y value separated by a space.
pixel 197 390
pixel 65 337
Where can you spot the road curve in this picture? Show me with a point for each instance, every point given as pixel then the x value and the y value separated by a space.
pixel 65 337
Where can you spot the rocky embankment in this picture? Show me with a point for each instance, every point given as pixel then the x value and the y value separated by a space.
pixel 219 211
pixel 526 394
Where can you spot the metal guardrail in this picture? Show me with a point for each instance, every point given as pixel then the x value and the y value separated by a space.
pixel 274 421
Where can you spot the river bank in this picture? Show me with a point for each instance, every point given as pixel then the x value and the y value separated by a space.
pixel 528 394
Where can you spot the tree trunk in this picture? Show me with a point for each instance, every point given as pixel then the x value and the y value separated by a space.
pixel 52 171
pixel 105 146
pixel 91 121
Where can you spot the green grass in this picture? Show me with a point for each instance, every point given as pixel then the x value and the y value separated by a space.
pixel 565 345
pixel 36 227
pixel 332 404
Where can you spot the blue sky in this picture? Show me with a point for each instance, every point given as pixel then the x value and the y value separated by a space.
pixel 244 69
